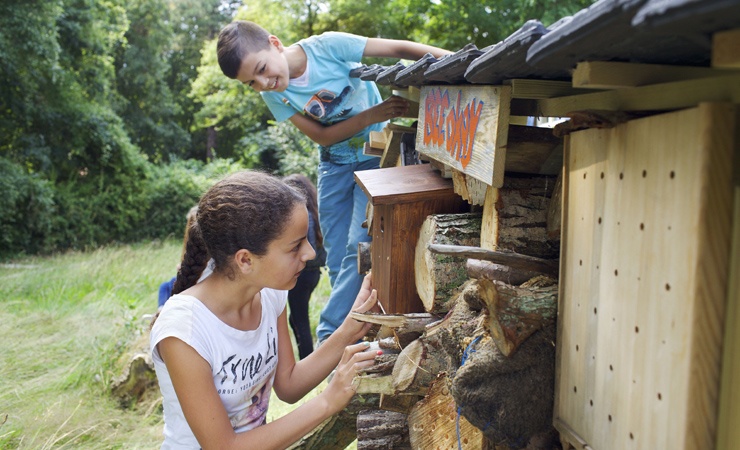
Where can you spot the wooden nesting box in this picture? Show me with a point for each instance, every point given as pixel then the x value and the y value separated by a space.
pixel 402 197
pixel 644 273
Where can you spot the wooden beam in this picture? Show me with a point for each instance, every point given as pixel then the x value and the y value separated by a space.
pixel 538 89
pixel 616 75
pixel 726 49
pixel 659 97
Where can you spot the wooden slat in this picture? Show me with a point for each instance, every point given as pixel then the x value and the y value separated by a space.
pixel 660 97
pixel 538 89
pixel 726 49
pixel 728 434
pixel 612 75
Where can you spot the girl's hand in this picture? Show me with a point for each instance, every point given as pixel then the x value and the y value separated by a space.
pixel 366 301
pixel 393 106
pixel 343 385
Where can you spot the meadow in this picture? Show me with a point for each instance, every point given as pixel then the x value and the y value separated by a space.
pixel 67 323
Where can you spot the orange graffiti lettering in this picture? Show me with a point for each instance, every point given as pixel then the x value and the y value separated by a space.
pixel 462 123
pixel 435 105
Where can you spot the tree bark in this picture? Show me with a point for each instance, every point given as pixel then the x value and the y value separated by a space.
pixel 378 429
pixel 510 399
pixel 516 260
pixel 479 268
pixel 515 312
pixel 438 276
pixel 515 217
pixel 364 260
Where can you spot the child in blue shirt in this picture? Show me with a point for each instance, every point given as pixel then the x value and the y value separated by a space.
pixel 308 83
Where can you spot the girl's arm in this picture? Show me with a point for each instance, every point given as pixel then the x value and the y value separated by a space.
pixel 294 380
pixel 207 418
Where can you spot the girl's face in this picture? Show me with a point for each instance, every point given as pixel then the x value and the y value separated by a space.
pixel 266 70
pixel 287 255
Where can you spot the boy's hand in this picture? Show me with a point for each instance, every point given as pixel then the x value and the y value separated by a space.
pixel 393 106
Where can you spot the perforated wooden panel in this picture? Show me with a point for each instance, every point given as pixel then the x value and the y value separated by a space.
pixel 647 215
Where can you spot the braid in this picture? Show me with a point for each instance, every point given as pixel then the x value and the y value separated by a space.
pixel 194 261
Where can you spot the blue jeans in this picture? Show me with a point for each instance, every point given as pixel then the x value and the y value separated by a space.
pixel 341 213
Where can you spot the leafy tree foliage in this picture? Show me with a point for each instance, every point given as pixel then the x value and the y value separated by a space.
pixel 108 108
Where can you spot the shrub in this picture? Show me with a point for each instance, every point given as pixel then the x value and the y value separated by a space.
pixel 27 211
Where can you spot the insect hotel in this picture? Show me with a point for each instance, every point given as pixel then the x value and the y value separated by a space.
pixel 556 240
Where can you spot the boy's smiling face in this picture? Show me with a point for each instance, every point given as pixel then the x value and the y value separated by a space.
pixel 266 70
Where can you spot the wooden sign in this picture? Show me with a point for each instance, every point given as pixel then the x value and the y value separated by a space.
pixel 466 127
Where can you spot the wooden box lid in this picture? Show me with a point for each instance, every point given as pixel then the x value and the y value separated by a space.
pixel 404 184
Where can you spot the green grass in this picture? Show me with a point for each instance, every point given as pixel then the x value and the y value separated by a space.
pixel 66 324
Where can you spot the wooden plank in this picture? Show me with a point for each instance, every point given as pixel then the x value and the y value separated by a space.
pixel 728 434
pixel 646 239
pixel 660 97
pixel 377 139
pixel 538 89
pixel 729 412
pixel 466 127
pixel 402 184
pixel 726 49
pixel 615 75
pixel 533 150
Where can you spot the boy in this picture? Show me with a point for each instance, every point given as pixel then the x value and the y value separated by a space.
pixel 308 83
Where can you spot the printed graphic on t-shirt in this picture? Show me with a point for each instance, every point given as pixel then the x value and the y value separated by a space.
pixel 325 106
pixel 245 379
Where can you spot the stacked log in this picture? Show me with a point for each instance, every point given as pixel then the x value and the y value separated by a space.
pixel 489 360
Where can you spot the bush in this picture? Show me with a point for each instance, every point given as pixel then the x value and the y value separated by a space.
pixel 27 211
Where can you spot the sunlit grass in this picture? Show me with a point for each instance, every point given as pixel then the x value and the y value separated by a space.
pixel 66 323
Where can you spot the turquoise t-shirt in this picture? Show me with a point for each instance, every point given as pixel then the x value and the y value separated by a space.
pixel 328 94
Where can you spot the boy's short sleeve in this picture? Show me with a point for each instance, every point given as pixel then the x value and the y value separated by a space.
pixel 345 46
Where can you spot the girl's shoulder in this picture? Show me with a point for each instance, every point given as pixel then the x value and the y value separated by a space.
pixel 274 299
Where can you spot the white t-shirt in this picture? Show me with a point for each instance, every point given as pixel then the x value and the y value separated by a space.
pixel 242 363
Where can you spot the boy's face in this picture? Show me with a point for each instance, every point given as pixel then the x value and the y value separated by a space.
pixel 266 70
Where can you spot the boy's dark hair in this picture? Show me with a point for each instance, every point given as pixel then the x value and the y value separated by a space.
pixel 246 210
pixel 236 41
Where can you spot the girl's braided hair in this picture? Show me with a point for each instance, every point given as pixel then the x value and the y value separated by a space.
pixel 246 210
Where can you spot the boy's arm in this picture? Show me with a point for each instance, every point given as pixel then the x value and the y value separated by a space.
pixel 331 134
pixel 392 48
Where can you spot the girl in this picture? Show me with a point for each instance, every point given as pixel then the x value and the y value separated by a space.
pixel 300 295
pixel 221 345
